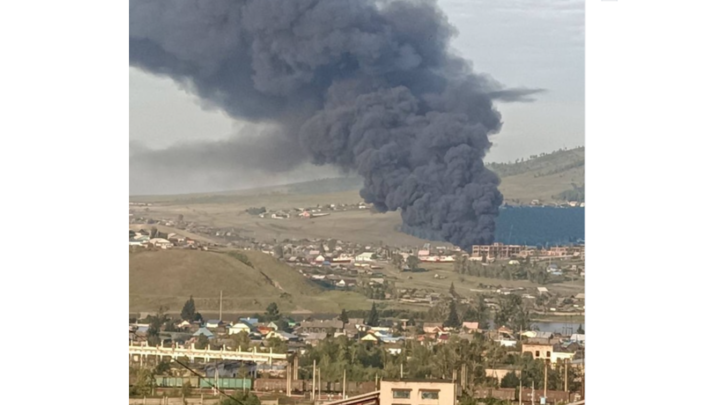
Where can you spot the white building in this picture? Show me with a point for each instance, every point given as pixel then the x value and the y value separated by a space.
pixel 364 257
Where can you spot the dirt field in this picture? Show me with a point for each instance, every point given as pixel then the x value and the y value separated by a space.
pixel 227 210
pixel 361 226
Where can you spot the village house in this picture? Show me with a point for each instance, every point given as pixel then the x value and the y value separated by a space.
pixel 433 328
pixel 239 327
pixel 577 337
pixel 471 326
pixel 321 326
pixel 314 338
pixel 161 243
pixel 552 353
pixel 204 331
pixel 249 321
pixel 496 250
pixel 536 334
pixel 214 323
pixel 365 257
pixel 284 336
pixel 183 324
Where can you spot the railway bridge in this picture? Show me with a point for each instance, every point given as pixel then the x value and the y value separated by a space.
pixel 143 351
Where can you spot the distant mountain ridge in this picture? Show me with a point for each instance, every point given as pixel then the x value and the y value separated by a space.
pixel 548 177
pixel 558 176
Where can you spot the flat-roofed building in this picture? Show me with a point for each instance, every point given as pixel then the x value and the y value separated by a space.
pixel 417 392
pixel 497 250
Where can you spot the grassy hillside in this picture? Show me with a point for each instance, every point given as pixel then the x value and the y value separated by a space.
pixel 169 277
pixel 544 177
pixel 548 177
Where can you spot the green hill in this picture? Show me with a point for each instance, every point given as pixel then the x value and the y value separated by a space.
pixel 169 277
pixel 548 177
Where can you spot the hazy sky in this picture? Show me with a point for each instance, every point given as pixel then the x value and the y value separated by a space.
pixel 521 43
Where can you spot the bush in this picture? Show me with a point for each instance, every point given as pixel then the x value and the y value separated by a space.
pixel 255 210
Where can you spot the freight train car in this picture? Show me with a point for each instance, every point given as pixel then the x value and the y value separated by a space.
pixel 265 384
pixel 197 382
pixel 227 383
pixel 279 385
pixel 176 382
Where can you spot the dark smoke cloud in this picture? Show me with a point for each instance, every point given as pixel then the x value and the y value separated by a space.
pixel 365 86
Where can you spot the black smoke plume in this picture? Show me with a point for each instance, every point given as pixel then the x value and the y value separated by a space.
pixel 367 86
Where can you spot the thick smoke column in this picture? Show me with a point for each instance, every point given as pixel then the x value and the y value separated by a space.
pixel 366 86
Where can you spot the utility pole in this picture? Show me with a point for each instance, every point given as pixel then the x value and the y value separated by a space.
pixel 313 383
pixel 319 384
pixel 220 317
pixel 533 392
pixel 545 387
pixel 288 378
pixel 344 372
pixel 520 393
pixel 401 370
pixel 566 375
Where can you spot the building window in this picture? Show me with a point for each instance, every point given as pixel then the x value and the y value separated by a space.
pixel 429 395
pixel 537 353
pixel 548 354
pixel 402 394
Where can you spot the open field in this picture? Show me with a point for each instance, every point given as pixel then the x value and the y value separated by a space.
pixel 523 188
pixel 541 178
pixel 360 226
pixel 168 277
pixel 168 230
pixel 466 284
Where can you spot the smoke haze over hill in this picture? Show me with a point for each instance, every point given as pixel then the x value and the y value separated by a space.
pixel 366 87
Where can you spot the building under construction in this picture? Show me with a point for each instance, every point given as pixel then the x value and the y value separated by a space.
pixel 497 251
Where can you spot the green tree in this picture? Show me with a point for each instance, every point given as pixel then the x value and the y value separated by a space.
pixel 580 330
pixel 162 368
pixel 144 381
pixel 373 318
pixel 241 397
pixel 452 290
pixel 398 261
pixel 513 314
pixel 156 323
pixel 188 310
pixel 278 251
pixel 413 262
pixel 202 342
pixel 510 381
pixel 344 317
pixel 276 344
pixel 467 399
pixel 272 313
pixel 186 389
pixel 241 340
pixel 453 320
